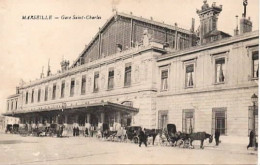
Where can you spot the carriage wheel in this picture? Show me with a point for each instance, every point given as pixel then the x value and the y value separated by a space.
pixel 180 143
pixel 136 140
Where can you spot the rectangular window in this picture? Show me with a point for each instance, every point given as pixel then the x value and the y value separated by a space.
pixel 26 98
pixel 12 105
pixel 32 98
pixel 62 89
pixel 39 95
pixel 188 120
pixel 128 74
pixel 46 94
pixel 164 80
pixel 7 105
pixel 219 120
pixel 96 80
pixel 189 75
pixel 255 59
pixel 220 70
pixel 15 104
pixel 83 85
pixel 54 91
pixel 162 119
pixel 111 78
pixel 72 87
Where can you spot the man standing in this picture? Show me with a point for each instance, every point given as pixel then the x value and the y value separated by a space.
pixel 142 138
pixel 217 135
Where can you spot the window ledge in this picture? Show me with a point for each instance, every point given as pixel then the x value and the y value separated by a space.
pixel 110 89
pixel 254 78
pixel 127 86
pixel 190 87
pixel 219 83
pixel 163 90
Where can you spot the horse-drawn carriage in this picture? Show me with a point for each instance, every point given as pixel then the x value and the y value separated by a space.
pixel 171 137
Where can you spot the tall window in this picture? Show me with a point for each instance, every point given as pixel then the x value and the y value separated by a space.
pixel 255 59
pixel 62 89
pixel 162 119
pixel 12 105
pixel 46 94
pixel 83 84
pixel 128 74
pixel 164 80
pixel 188 120
pixel 189 75
pixel 96 79
pixel 39 95
pixel 111 78
pixel 26 98
pixel 7 105
pixel 72 87
pixel 54 91
pixel 219 120
pixel 15 104
pixel 220 72
pixel 32 98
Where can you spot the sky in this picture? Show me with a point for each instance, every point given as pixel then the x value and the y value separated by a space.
pixel 26 45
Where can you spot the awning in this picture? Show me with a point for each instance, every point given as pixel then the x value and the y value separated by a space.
pixel 106 106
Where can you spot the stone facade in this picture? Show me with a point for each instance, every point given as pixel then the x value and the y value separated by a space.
pixel 198 88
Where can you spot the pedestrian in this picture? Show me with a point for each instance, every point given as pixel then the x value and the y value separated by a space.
pixel 251 139
pixel 74 131
pixel 86 132
pixel 217 135
pixel 77 131
pixel 91 130
pixel 142 138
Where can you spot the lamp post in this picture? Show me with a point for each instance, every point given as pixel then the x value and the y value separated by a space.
pixel 254 99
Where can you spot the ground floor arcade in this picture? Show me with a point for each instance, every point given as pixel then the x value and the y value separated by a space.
pixel 113 115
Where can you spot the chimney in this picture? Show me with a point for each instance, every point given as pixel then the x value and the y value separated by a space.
pixel 245 23
pixel 17 90
pixel 236 31
pixel 192 25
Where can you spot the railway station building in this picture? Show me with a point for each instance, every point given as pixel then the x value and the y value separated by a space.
pixel 137 71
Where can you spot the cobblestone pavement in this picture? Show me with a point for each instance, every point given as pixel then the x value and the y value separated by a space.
pixel 16 149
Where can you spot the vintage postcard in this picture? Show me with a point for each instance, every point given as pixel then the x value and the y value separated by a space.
pixel 129 81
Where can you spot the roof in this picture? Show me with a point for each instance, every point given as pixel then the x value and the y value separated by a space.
pixel 81 108
pixel 130 16
pixel 216 33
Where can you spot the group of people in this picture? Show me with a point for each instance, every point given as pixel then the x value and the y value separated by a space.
pixel 75 131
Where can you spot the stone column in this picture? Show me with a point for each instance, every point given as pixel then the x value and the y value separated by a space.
pixel 117 124
pixel 76 121
pixel 57 119
pixel 65 119
pixel 102 119
pixel 40 121
pixel 87 121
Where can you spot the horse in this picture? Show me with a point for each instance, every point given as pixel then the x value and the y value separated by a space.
pixel 200 136
pixel 151 133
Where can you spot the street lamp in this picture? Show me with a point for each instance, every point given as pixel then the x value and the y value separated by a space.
pixel 254 99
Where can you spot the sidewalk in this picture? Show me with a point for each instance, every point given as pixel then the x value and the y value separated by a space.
pixel 234 144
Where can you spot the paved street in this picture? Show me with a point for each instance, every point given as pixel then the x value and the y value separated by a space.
pixel 80 150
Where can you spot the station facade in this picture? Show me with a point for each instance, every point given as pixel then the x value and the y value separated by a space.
pixel 137 71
